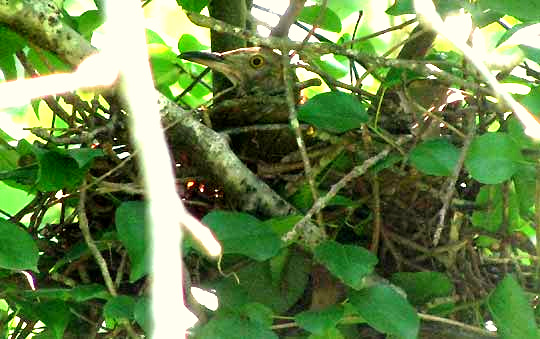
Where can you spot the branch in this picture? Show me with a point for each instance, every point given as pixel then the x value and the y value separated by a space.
pixel 40 21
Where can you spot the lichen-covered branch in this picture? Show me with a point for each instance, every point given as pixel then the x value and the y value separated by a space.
pixel 40 21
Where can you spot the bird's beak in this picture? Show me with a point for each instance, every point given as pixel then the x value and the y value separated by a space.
pixel 216 62
pixel 204 58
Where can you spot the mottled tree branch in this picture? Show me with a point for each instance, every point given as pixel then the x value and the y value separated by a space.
pixel 41 22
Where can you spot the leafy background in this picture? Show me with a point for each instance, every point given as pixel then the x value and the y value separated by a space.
pixel 376 272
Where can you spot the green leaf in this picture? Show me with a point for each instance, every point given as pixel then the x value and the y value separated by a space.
pixel 44 60
pixel 192 5
pixel 79 250
pixel 15 197
pixel 88 22
pixel 490 216
pixel 485 241
pixel 164 65
pixel 347 262
pixel 48 293
pixel 232 326
pixel 331 65
pixel 55 314
pixel 421 287
pixel 525 10
pixel 119 307
pixel 517 132
pixel 282 225
pixel 84 156
pixel 331 333
pixel 8 67
pixel 60 169
pixel 530 53
pixel 18 251
pixel 318 322
pixel 132 231
pixel 57 170
pixel 387 311
pixel 188 43
pixel 303 199
pixel 344 8
pixel 493 158
pixel 435 157
pixel 278 264
pixel 153 38
pixel 83 293
pixel 258 313
pixel 8 157
pixel 483 17
pixel 532 100
pixel 330 21
pixel 197 93
pixel 5 137
pixel 512 313
pixel 143 315
pixel 334 112
pixel 257 284
pixel 401 7
pixel 23 177
pixel 525 184
pixel 11 41
pixel 387 162
pixel 244 234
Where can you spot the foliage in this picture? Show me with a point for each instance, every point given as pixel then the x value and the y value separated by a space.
pixel 463 167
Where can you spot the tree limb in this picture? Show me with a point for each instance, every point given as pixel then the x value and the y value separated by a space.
pixel 40 21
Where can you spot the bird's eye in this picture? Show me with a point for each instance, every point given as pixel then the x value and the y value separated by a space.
pixel 256 61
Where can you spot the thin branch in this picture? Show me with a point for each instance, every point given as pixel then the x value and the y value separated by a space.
pixel 355 173
pixel 258 128
pixel 83 225
pixel 330 81
pixel 447 198
pixel 295 124
pixel 376 34
pixel 469 328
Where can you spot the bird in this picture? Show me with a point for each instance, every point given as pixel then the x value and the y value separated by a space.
pixel 251 70
pixel 258 98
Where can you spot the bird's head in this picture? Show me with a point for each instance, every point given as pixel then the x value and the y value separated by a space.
pixel 253 70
